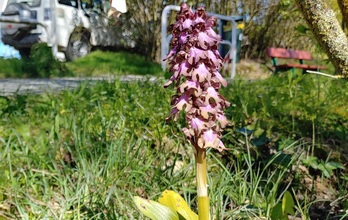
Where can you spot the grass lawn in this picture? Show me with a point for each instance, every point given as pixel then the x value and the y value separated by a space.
pixel 116 63
pixel 84 154
pixel 42 64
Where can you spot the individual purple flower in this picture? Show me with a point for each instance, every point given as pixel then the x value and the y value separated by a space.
pixel 187 24
pixel 207 111
pixel 209 139
pixel 197 125
pixel 195 63
pixel 200 73
pixel 196 54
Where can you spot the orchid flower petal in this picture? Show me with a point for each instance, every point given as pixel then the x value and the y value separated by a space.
pixel 201 73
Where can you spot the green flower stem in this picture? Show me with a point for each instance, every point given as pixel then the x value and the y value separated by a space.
pixel 202 186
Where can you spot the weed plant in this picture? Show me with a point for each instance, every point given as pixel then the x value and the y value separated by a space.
pixel 84 154
pixel 42 63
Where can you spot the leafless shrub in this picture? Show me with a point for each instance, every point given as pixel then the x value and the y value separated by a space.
pixel 268 23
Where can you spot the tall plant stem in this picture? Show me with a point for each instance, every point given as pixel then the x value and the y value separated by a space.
pixel 202 185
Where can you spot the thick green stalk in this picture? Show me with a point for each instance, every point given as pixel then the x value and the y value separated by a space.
pixel 202 185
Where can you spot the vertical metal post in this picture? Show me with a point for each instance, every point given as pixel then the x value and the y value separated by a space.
pixel 233 51
pixel 164 25
pixel 221 32
pixel 164 43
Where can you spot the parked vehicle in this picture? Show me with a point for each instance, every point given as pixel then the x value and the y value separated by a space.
pixel 70 27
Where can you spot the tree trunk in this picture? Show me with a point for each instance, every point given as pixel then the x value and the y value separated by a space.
pixel 327 31
pixel 344 10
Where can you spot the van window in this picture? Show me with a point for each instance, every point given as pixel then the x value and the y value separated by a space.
pixel 68 2
pixel 31 3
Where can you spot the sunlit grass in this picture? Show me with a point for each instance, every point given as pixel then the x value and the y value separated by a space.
pixel 42 64
pixel 116 63
pixel 84 153
pixel 11 67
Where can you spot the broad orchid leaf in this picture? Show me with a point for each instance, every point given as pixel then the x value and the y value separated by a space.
pixel 288 204
pixel 277 212
pixel 173 200
pixel 155 210
pixel 283 209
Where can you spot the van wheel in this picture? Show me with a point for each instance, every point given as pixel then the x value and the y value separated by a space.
pixel 24 52
pixel 78 46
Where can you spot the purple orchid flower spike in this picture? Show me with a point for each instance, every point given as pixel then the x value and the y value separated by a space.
pixel 195 63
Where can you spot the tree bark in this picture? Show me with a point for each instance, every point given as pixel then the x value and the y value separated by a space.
pixel 343 4
pixel 327 31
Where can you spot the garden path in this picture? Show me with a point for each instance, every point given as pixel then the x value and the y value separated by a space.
pixel 10 87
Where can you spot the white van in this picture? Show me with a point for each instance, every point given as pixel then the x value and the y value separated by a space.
pixel 70 27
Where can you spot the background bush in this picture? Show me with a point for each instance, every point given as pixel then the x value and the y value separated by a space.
pixel 268 23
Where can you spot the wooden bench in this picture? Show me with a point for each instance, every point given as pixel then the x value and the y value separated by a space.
pixel 300 55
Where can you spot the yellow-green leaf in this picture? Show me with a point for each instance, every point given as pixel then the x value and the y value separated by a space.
pixel 277 212
pixel 173 200
pixel 155 210
pixel 288 204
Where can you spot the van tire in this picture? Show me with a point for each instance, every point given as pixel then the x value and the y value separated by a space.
pixel 79 45
pixel 24 52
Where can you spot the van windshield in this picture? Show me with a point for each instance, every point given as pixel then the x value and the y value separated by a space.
pixel 31 3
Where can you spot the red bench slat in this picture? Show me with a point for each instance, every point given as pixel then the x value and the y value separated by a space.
pixel 288 54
